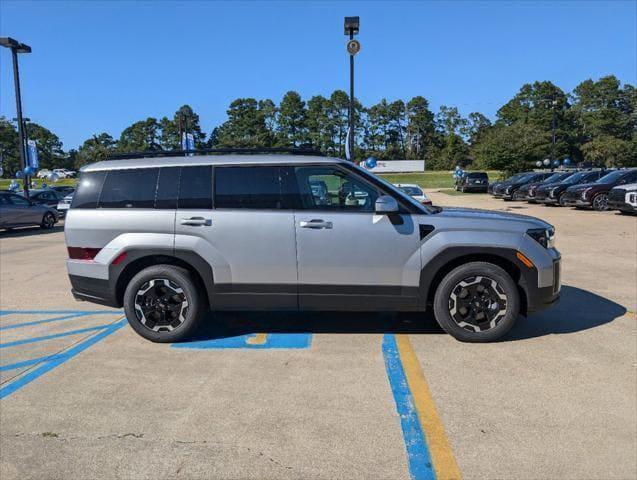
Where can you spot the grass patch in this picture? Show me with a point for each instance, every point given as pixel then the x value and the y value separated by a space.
pixel 5 182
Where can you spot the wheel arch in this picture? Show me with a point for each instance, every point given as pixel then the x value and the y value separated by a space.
pixel 436 269
pixel 135 261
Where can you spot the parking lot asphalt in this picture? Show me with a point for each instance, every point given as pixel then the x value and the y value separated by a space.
pixel 329 395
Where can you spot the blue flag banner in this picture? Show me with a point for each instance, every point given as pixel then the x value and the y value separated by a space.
pixel 32 154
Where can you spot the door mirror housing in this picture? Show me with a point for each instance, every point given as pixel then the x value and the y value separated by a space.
pixel 386 204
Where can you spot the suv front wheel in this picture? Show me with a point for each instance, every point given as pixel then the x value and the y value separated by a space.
pixel 163 304
pixel 477 302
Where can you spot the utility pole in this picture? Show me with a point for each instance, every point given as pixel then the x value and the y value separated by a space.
pixel 554 127
pixel 353 47
pixel 17 47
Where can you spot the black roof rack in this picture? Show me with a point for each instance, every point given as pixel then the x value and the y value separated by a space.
pixel 218 151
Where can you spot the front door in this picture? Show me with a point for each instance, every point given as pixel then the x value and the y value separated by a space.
pixel 248 237
pixel 348 256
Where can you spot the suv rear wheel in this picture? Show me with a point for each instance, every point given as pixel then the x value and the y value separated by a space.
pixel 163 304
pixel 477 302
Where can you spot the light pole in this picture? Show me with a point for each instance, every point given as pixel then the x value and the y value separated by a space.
pixel 17 47
pixel 554 127
pixel 353 47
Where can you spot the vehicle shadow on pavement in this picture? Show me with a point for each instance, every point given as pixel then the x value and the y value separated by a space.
pixel 577 310
pixel 30 231
pixel 231 324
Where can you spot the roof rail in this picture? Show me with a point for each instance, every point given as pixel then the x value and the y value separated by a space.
pixel 219 151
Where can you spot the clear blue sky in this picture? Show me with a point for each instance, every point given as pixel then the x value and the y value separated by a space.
pixel 99 66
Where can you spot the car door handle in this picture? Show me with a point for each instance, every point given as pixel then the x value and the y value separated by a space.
pixel 316 223
pixel 197 221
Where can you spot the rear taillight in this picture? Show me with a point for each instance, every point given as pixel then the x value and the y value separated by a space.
pixel 83 253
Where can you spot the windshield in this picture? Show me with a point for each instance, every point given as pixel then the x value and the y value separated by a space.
pixel 576 177
pixel 411 190
pixel 612 176
pixel 516 177
pixel 557 177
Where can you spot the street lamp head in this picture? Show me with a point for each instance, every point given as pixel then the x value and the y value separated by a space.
pixel 351 25
pixel 13 44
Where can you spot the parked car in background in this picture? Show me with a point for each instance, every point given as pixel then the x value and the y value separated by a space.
pixel 17 211
pixel 473 182
pixel 64 204
pixel 527 192
pixel 44 173
pixel 553 193
pixel 507 190
pixel 415 191
pixel 623 198
pixel 497 188
pixel 63 189
pixel 46 197
pixel 60 172
pixel 595 194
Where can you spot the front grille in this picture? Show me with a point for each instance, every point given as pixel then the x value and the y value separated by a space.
pixel 556 276
pixel 617 194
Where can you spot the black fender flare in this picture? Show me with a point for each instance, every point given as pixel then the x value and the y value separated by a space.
pixel 451 257
pixel 120 273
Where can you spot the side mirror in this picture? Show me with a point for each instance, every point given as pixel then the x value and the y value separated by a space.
pixel 386 204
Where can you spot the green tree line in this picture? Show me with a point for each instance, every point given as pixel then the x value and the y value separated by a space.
pixel 596 123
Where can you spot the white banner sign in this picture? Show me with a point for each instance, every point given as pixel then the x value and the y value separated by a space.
pixel 397 166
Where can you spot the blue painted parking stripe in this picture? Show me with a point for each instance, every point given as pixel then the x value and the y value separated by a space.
pixel 57 312
pixel 47 320
pixel 49 337
pixel 26 363
pixel 50 365
pixel 418 457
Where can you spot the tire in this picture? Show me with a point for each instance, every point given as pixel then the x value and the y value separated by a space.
pixel 600 202
pixel 170 320
pixel 448 303
pixel 561 200
pixel 48 221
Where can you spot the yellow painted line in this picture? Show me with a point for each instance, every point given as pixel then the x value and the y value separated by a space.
pixel 444 462
pixel 258 339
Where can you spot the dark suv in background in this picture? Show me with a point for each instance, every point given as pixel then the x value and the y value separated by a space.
pixel 508 189
pixel 527 192
pixel 474 182
pixel 496 188
pixel 596 194
pixel 553 193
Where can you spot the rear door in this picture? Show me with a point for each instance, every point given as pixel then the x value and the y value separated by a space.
pixel 246 234
pixel 120 210
pixel 348 256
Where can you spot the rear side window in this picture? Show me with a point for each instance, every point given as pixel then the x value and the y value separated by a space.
pixel 195 188
pixel 249 188
pixel 133 188
pixel 88 190
pixel 167 188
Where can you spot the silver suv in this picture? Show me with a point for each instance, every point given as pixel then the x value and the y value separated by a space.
pixel 170 238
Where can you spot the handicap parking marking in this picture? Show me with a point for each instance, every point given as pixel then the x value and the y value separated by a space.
pixel 252 341
pixel 41 364
pixel 429 455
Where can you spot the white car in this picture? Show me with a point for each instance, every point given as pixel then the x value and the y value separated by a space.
pixel 623 198
pixel 64 205
pixel 415 192
pixel 60 172
pixel 44 173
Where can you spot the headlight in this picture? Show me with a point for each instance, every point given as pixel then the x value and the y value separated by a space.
pixel 585 192
pixel 507 190
pixel 544 236
pixel 553 191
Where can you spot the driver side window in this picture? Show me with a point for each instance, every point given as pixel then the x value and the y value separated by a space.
pixel 329 188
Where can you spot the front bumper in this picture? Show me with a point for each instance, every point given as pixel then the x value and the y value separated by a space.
pixel 576 202
pixel 621 205
pixel 543 297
